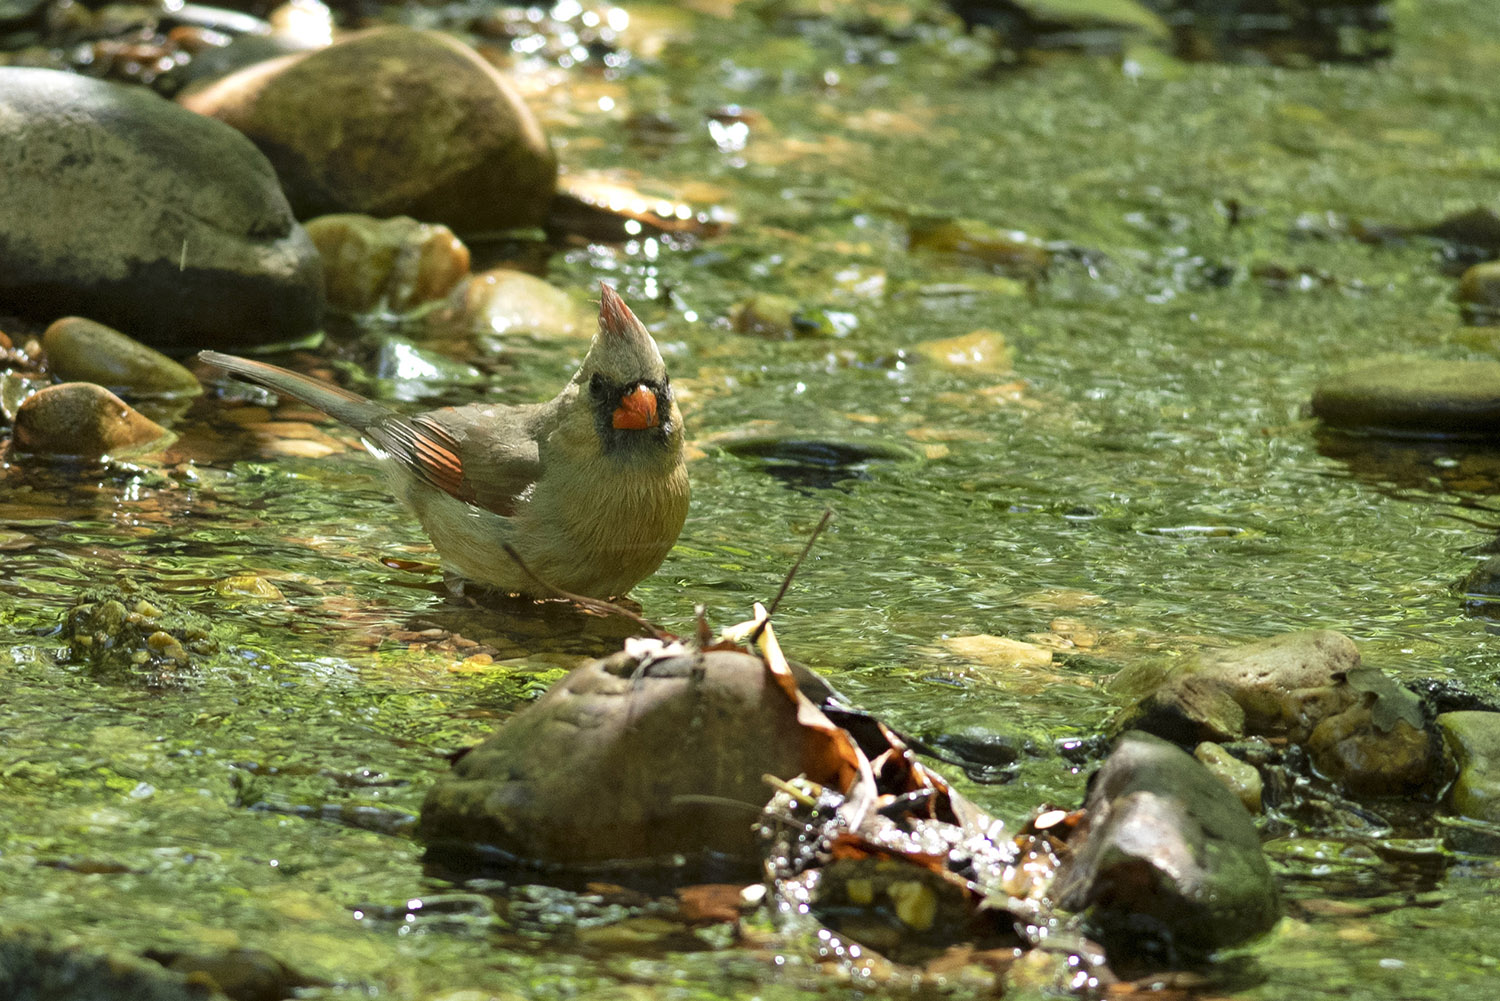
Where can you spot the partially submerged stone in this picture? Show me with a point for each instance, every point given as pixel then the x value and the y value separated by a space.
pixel 1360 728
pixel 1413 396
pixel 82 420
pixel 81 350
pixel 503 301
pixel 1473 743
pixel 1167 861
pixel 621 761
pixel 1278 686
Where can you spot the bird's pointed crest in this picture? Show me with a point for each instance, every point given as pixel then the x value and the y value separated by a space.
pixel 622 349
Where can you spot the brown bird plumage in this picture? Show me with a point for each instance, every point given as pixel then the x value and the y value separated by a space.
pixel 590 487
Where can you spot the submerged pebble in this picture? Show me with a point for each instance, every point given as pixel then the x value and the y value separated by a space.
pixel 127 631
pixel 81 350
pixel 81 419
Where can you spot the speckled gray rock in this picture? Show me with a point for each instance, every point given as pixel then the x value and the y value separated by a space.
pixel 1414 396
pixel 393 121
pixel 119 205
pixel 1168 861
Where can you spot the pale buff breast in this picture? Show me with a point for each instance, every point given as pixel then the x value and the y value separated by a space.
pixel 598 533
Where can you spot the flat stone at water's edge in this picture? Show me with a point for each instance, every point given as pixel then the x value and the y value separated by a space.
pixel 1416 396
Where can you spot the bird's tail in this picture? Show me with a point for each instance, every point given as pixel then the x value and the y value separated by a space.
pixel 340 404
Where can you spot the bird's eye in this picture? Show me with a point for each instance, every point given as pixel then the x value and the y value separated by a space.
pixel 597 386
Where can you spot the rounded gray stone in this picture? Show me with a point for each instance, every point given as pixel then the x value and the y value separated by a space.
pixel 119 205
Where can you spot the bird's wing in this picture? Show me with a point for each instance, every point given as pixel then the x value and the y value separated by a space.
pixel 483 455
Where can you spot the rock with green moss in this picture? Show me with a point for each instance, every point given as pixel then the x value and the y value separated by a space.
pixel 1472 739
pixel 1168 863
pixel 1413 396
pixel 1360 728
pixel 126 631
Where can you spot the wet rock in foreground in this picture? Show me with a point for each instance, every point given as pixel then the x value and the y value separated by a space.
pixel 1414 396
pixel 625 760
pixel 120 205
pixel 33 968
pixel 1168 863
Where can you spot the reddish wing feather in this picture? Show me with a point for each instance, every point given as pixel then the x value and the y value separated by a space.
pixel 430 451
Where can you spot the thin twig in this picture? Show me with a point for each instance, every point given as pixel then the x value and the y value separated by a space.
pixel 786 582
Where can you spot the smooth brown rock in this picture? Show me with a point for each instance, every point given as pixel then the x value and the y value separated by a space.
pixel 80 350
pixel 393 265
pixel 393 121
pixel 1282 686
pixel 84 420
pixel 625 760
pixel 1366 759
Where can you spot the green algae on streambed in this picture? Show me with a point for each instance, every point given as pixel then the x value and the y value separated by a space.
pixel 1146 480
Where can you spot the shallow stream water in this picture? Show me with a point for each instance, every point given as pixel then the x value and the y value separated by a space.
pixel 1145 482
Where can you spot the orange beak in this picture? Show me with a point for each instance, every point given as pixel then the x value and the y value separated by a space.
pixel 637 410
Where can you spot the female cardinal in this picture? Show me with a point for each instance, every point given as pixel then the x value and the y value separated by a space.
pixel 590 488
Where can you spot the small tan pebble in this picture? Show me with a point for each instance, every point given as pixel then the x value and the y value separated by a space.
pixel 83 419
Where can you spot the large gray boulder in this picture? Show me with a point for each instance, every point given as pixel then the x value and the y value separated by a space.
pixel 119 205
